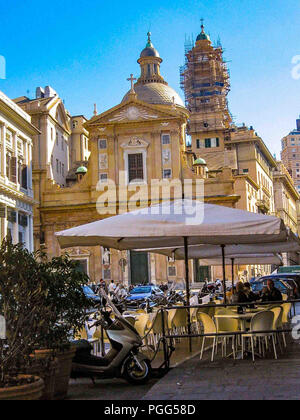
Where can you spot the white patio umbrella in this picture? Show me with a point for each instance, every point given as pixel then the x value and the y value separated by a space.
pixel 175 224
pixel 245 259
pixel 166 224
pixel 292 244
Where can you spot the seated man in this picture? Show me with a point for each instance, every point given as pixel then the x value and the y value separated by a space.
pixel 270 293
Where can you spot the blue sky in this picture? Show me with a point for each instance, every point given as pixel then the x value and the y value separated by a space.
pixel 86 50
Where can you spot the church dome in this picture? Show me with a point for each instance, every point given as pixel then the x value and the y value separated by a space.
pixel 81 170
pixel 156 94
pixel 203 36
pixel 149 50
pixel 200 161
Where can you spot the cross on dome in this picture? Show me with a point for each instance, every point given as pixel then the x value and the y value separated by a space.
pixel 132 80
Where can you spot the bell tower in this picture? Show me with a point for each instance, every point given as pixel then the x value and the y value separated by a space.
pixel 205 82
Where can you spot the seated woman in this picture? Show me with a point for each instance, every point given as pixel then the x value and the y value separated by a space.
pixel 240 296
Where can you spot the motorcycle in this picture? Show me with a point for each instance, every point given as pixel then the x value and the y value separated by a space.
pixel 122 361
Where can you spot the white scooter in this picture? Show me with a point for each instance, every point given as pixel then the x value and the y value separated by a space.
pixel 124 359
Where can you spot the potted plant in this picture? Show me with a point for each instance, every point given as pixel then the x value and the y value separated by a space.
pixel 67 307
pixel 22 298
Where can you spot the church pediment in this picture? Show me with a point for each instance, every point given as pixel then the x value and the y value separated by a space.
pixel 134 111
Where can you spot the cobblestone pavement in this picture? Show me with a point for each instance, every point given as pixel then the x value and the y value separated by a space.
pixel 232 380
pixel 110 390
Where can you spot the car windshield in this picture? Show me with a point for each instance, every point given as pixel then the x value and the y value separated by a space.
pixel 138 290
pixel 281 284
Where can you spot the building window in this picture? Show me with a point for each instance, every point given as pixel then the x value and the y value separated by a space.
pixel 24 177
pixel 212 142
pixel 167 173
pixel 165 139
pixel 75 124
pixel 103 177
pixel 11 168
pixel 62 143
pixel 102 144
pixel 63 170
pixel 135 167
pixel 82 265
pixel 245 171
pixel 172 271
pixel 57 139
pixel 106 274
pixel 207 143
pixel 57 165
pixel 200 143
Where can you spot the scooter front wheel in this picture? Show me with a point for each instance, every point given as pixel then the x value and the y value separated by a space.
pixel 134 375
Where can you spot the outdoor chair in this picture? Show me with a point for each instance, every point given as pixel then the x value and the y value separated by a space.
pixel 130 319
pixel 226 325
pixel 194 319
pixel 286 313
pixel 209 327
pixel 81 334
pixel 142 325
pixel 179 321
pixel 97 340
pixel 277 325
pixel 156 328
pixel 262 321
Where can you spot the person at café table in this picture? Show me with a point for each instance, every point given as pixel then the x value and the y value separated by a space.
pixel 270 293
pixel 252 297
pixel 240 295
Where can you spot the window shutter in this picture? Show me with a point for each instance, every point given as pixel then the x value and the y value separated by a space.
pixel 13 173
pixel 7 165
pixel 217 142
pixel 207 143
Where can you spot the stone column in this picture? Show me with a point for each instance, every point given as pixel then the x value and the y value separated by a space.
pixel 3 157
pixel 15 229
pixel 27 234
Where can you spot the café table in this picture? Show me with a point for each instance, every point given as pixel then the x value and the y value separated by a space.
pixel 247 316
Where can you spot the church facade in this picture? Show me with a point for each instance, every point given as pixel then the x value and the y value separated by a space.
pixel 138 156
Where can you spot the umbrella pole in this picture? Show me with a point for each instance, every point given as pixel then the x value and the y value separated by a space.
pixel 232 273
pixel 224 273
pixel 187 288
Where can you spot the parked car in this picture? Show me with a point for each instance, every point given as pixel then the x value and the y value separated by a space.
pixel 144 292
pixel 284 284
pixel 294 276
